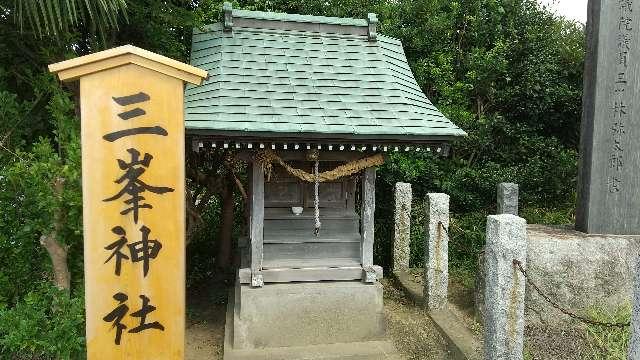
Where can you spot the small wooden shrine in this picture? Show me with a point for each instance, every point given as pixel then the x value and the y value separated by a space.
pixel 313 103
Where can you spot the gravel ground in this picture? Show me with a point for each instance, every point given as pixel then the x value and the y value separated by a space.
pixel 206 309
pixel 412 332
pixel 543 343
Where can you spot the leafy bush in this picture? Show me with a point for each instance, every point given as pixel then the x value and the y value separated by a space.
pixel 28 203
pixel 45 324
pixel 201 250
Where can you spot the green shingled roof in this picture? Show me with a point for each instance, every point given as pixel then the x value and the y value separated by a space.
pixel 296 76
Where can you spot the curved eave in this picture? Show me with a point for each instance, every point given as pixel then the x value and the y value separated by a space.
pixel 447 135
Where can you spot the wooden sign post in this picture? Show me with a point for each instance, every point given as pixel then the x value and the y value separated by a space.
pixel 133 200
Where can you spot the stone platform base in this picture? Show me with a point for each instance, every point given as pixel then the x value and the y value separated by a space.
pixel 323 320
pixel 578 271
pixel 369 350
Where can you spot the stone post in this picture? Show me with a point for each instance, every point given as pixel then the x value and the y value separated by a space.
pixel 508 198
pixel 505 287
pixel 402 218
pixel 634 343
pixel 436 252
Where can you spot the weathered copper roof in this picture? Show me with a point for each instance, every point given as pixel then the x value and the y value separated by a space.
pixel 278 75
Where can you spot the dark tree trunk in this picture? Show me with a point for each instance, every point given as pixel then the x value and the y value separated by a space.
pixel 223 258
pixel 56 250
pixel 58 254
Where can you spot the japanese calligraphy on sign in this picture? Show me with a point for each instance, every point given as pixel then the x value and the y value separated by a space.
pixel 133 201
pixel 133 186
pixel 621 97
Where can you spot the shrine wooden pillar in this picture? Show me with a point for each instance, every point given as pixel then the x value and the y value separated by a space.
pixel 257 223
pixel 133 187
pixel 367 223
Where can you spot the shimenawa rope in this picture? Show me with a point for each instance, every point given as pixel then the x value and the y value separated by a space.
pixel 266 158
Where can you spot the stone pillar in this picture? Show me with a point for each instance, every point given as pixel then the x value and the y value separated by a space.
pixel 508 198
pixel 436 252
pixel 634 343
pixel 505 287
pixel 402 219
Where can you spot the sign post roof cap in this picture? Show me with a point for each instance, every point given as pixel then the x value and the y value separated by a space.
pixel 70 70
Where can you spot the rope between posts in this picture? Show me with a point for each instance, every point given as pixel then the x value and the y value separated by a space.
pixel 518 265
pixel 452 239
pixel 444 228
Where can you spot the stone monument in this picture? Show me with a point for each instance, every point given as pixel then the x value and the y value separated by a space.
pixel 609 185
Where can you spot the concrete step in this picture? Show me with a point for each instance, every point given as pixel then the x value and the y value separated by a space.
pixel 369 350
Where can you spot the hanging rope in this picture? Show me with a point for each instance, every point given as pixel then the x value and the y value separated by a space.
pixel 267 157
pixel 316 199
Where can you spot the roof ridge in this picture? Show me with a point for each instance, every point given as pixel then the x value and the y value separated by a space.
pixel 310 23
pixel 314 19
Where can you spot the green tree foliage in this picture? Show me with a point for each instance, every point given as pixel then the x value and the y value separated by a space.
pixel 28 201
pixel 45 324
pixel 55 16
pixel 506 71
pixel 510 74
